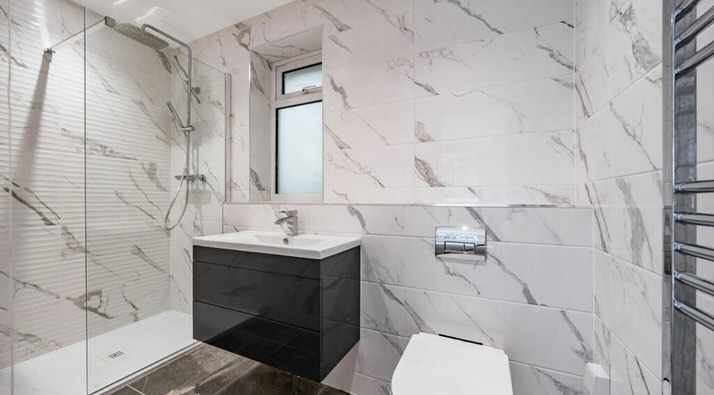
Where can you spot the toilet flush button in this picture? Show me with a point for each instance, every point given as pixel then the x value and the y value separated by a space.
pixel 460 241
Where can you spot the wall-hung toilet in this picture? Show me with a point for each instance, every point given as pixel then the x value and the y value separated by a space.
pixel 436 365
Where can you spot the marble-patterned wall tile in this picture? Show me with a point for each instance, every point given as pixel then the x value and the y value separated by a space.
pixel 405 289
pixel 569 226
pixel 379 41
pixel 628 218
pixel 348 219
pixel 443 22
pixel 376 195
pixel 378 125
pixel 617 43
pixel 528 379
pixel 372 75
pixel 388 82
pixel 349 15
pixel 371 167
pixel 378 354
pixel 504 194
pixel 508 326
pixel 344 376
pixel 541 52
pixel 628 374
pixel 628 301
pixel 531 158
pixel 531 106
pixel 621 138
pixel 618 86
pixel 558 277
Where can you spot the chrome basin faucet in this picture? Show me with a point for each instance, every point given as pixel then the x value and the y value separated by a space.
pixel 291 219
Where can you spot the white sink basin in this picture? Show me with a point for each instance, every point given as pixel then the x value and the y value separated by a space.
pixel 300 246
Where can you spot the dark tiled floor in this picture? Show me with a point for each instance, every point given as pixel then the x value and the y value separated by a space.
pixel 207 370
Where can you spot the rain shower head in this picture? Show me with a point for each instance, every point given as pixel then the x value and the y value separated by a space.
pixel 137 34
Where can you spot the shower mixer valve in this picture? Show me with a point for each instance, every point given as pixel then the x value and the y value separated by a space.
pixel 191 177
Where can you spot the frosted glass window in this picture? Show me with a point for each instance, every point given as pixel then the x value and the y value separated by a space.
pixel 296 80
pixel 299 149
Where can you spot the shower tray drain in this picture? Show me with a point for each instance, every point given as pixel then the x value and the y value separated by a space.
pixel 113 356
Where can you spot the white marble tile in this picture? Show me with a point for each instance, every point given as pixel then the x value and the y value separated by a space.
pixel 382 309
pixel 618 43
pixel 503 194
pixel 628 219
pixel 348 219
pixel 561 340
pixel 619 140
pixel 290 19
pixel 532 380
pixel 377 195
pixel 440 23
pixel 531 158
pixel 563 226
pixel 345 15
pixel 628 300
pixel 538 53
pixel 554 276
pixel 380 41
pixel 227 50
pixel 383 260
pixel 371 167
pixel 302 43
pixel 344 377
pixel 705 345
pixel 382 124
pixel 379 354
pixel 532 106
pixel 388 82
pixel 628 374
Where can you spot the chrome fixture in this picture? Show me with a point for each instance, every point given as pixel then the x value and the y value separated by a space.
pixel 150 39
pixel 460 240
pixel 291 220
pixel 184 127
pixel 685 250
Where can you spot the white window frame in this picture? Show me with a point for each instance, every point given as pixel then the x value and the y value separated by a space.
pixel 280 100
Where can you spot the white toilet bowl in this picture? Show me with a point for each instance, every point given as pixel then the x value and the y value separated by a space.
pixel 435 365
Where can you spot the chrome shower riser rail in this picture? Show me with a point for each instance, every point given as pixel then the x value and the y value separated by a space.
pixel 186 128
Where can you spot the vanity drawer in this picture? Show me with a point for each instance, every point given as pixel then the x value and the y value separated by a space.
pixel 283 346
pixel 290 266
pixel 287 299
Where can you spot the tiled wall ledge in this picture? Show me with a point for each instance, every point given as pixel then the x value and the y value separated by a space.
pixel 532 251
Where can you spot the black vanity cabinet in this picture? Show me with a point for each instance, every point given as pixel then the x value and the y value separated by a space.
pixel 296 314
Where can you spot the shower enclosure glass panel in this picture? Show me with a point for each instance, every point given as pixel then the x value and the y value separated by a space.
pixel 42 166
pixel 93 288
pixel 138 299
pixel 6 284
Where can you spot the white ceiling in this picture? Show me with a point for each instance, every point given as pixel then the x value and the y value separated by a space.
pixel 188 20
